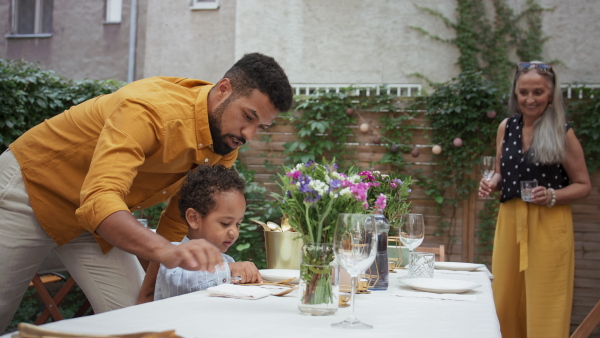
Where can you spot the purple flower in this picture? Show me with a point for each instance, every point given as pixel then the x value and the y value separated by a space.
pixel 335 184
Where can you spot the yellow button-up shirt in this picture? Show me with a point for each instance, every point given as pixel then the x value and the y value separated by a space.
pixel 127 150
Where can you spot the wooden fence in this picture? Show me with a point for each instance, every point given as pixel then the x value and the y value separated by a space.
pixel 264 155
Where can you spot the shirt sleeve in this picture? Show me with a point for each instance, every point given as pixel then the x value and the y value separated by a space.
pixel 178 281
pixel 125 139
pixel 170 225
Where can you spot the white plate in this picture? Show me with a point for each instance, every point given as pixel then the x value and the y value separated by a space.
pixel 279 275
pixel 439 285
pixel 457 266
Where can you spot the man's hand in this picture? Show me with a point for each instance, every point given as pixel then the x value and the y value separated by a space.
pixel 122 230
pixel 247 271
pixel 196 254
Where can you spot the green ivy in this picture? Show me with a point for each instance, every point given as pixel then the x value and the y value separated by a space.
pixel 459 109
pixel 323 123
pixel 486 228
pixel 486 42
pixel 250 245
pixel 29 95
pixel 322 127
pixel 586 116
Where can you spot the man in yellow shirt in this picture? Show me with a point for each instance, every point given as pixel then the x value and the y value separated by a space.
pixel 70 184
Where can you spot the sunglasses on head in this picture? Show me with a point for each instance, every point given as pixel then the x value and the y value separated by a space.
pixel 540 67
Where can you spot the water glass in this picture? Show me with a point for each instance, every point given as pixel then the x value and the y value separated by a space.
pixel 421 265
pixel 527 189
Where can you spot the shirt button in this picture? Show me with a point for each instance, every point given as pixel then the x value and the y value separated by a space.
pixel 199 145
pixel 164 192
pixel 139 207
pixel 224 280
pixel 206 160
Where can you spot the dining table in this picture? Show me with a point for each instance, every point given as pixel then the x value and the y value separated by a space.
pixel 399 311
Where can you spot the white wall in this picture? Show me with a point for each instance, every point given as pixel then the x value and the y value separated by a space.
pixel 346 41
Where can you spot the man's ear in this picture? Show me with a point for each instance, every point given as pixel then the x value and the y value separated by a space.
pixel 224 89
pixel 193 218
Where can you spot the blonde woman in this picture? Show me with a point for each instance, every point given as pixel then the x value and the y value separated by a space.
pixel 533 259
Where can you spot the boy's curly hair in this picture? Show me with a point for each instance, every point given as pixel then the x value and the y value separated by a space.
pixel 203 183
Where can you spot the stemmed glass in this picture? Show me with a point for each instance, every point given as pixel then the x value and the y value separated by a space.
pixel 411 231
pixel 354 247
pixel 487 167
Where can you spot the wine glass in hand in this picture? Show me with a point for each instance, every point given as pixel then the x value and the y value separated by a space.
pixel 354 247
pixel 487 167
pixel 412 231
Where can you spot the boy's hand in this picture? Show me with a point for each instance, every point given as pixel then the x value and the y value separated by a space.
pixel 246 271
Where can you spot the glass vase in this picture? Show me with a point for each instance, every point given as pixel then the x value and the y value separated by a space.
pixel 319 277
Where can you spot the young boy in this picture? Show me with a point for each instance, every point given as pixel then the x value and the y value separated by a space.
pixel 212 204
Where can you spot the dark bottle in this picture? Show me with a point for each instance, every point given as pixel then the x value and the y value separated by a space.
pixel 380 265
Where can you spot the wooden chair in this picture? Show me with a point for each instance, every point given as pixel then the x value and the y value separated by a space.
pixel 438 251
pixel 589 323
pixel 48 274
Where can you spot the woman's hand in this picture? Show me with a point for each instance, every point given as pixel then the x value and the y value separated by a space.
pixel 246 272
pixel 541 196
pixel 487 187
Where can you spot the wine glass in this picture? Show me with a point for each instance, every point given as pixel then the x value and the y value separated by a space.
pixel 487 167
pixel 354 247
pixel 411 231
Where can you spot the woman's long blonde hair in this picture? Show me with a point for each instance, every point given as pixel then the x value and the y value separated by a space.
pixel 549 142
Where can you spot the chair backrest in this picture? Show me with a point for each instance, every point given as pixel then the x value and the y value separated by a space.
pixel 438 251
pixel 588 324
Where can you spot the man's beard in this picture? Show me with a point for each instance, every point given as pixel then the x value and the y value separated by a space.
pixel 215 121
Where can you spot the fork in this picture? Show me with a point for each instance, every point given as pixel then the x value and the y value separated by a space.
pixel 285 292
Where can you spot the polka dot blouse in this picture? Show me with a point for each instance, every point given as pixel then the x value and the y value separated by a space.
pixel 516 166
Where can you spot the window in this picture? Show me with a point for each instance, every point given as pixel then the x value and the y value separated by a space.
pixel 204 4
pixel 32 18
pixel 113 11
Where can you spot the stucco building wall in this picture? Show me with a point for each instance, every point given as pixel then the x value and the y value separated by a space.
pixel 320 42
pixel 81 45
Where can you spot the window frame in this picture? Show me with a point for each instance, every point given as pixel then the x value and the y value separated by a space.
pixel 37 23
pixel 113 11
pixel 202 5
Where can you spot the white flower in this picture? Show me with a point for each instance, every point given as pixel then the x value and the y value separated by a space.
pixel 319 186
pixel 344 192
pixel 336 175
pixel 354 178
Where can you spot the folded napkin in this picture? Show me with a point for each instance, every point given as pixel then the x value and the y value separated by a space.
pixel 238 291
pixel 33 331
pixel 483 270
pixel 445 296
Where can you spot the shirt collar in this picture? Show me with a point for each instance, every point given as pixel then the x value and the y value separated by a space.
pixel 203 136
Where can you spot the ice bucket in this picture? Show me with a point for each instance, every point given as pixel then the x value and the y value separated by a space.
pixel 284 249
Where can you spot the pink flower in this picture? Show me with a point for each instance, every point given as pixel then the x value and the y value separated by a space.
pixel 380 203
pixel 368 175
pixel 294 174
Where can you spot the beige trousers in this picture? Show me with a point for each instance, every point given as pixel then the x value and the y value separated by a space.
pixel 110 281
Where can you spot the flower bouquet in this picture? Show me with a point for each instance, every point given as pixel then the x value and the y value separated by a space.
pixel 312 197
pixel 387 194
pixel 387 200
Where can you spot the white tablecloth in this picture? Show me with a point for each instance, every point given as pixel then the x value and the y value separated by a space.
pixel 198 315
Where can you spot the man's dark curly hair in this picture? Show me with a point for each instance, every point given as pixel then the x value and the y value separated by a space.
pixel 203 183
pixel 258 71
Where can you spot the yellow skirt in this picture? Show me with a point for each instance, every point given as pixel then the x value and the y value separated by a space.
pixel 533 266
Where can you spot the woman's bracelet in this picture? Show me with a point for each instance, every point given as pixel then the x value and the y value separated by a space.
pixel 553 200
